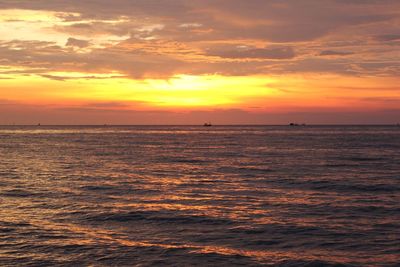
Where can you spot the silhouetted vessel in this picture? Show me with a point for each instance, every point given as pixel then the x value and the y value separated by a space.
pixel 207 124
pixel 296 124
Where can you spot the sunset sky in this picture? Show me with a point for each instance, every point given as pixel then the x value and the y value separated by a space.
pixel 191 61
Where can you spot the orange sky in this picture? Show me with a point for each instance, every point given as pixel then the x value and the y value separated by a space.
pixel 178 62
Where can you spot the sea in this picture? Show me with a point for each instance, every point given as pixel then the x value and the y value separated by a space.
pixel 199 196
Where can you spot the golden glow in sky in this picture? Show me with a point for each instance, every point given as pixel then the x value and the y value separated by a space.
pixel 200 57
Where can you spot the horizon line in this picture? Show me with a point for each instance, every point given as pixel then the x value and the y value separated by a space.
pixel 201 125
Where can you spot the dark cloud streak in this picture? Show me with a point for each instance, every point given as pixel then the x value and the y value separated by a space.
pixel 294 34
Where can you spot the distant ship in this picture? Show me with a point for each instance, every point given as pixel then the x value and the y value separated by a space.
pixel 296 124
pixel 207 124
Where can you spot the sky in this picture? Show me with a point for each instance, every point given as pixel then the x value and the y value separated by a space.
pixel 190 62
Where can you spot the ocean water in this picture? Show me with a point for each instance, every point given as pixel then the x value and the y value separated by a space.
pixel 198 196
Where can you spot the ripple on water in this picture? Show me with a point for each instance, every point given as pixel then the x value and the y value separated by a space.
pixel 186 196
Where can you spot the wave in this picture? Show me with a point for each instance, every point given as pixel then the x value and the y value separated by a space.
pixel 157 217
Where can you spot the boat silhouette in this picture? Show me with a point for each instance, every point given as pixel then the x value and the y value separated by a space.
pixel 296 124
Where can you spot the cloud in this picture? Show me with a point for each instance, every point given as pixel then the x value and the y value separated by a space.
pixel 33 57
pixel 160 38
pixel 77 43
pixel 109 105
pixel 256 53
pixel 85 77
pixel 335 53
pixel 388 37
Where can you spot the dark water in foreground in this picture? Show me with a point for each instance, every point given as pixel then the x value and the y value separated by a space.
pixel 187 196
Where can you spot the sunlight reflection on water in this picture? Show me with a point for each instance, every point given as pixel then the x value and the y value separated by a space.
pixel 174 195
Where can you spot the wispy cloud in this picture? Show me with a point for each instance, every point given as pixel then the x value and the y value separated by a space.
pixel 204 28
pixel 88 47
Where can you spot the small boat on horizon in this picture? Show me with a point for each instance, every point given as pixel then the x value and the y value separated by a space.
pixel 296 124
pixel 207 124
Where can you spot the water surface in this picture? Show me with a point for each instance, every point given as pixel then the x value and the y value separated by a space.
pixel 187 196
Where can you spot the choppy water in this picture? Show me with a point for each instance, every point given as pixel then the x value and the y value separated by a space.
pixel 187 196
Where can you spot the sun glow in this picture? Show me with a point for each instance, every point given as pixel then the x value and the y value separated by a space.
pixel 208 90
pixel 181 91
pixel 191 92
